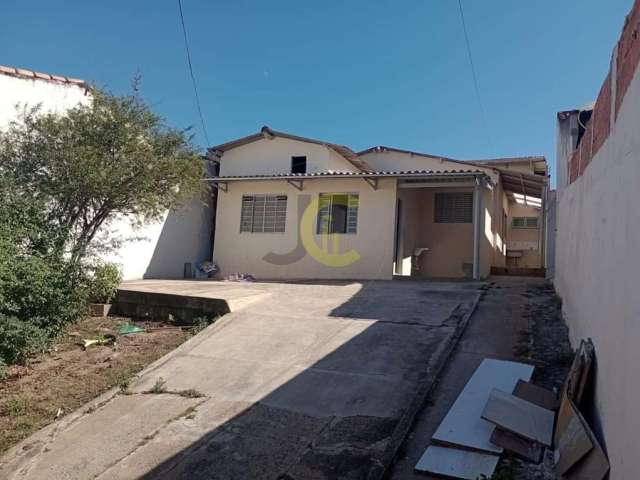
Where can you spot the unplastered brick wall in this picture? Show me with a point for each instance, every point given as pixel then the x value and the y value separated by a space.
pixel 624 62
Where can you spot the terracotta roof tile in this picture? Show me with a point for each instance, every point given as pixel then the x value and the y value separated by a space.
pixel 25 73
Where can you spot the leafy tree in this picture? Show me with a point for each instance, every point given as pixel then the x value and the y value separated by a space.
pixel 111 157
pixel 63 179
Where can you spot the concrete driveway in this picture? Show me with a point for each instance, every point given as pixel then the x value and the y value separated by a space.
pixel 308 381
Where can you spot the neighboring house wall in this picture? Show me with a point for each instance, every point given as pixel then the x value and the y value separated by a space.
pixel 597 259
pixel 500 223
pixel 551 232
pixel 237 252
pixel 161 249
pixel 526 240
pixel 157 250
pixel 52 96
pixel 270 156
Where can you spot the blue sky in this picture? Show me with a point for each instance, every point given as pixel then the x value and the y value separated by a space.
pixel 360 73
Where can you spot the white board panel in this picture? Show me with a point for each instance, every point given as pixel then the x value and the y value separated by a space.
pixel 462 425
pixel 453 463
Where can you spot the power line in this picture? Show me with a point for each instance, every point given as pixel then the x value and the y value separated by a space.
pixel 193 78
pixel 475 77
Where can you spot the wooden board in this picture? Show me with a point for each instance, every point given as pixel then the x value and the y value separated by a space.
pixel 453 463
pixel 518 416
pixel 594 466
pixel 573 441
pixel 463 425
pixel 531 451
pixel 563 418
pixel 580 372
pixel 536 395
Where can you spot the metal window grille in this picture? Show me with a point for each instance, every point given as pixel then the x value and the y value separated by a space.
pixel 263 213
pixel 453 207
pixel 338 213
pixel 525 222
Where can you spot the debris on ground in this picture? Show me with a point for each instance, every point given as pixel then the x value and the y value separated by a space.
pixel 240 277
pixel 106 339
pixel 454 463
pixel 537 395
pixel 62 381
pixel 468 443
pixel 208 268
pixel 578 453
pixel 464 437
pixel 520 417
pixel 128 329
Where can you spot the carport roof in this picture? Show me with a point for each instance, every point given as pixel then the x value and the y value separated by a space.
pixel 523 183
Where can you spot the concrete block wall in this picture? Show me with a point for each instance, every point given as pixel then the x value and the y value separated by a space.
pixel 597 257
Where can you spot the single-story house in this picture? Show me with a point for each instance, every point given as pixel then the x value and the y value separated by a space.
pixel 298 208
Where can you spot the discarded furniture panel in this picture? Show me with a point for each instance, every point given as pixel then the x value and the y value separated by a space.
pixel 578 458
pixel 572 441
pixel 525 449
pixel 594 466
pixel 580 372
pixel 463 425
pixel 454 463
pixel 537 395
pixel 519 417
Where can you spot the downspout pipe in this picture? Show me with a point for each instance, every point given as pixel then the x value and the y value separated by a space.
pixel 477 219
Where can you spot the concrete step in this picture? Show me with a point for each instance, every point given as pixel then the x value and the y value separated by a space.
pixel 178 309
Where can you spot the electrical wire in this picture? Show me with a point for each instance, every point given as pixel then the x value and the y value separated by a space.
pixel 193 78
pixel 475 76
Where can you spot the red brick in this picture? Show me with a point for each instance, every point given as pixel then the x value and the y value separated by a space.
pixel 601 117
pixel 585 148
pixel 628 53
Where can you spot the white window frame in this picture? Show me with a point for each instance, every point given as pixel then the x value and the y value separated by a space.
pixel 270 217
pixel 323 221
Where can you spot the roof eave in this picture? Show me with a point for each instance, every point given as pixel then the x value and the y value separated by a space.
pixel 347 175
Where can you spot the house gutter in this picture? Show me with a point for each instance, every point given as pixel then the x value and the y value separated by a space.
pixel 297 181
pixel 347 175
pixel 477 219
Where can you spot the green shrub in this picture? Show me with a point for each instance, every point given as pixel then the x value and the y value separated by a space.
pixel 200 323
pixel 19 339
pixel 4 370
pixel 40 291
pixel 104 283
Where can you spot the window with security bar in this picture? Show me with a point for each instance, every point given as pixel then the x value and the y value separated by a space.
pixel 524 222
pixel 263 213
pixel 338 213
pixel 453 207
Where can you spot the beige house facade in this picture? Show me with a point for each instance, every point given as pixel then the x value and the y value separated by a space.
pixel 290 207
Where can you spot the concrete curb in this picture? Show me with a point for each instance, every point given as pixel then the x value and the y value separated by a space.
pixel 431 374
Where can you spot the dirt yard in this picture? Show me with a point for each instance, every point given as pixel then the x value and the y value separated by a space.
pixel 61 380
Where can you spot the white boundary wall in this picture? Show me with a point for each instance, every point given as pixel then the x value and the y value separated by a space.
pixel 597 276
